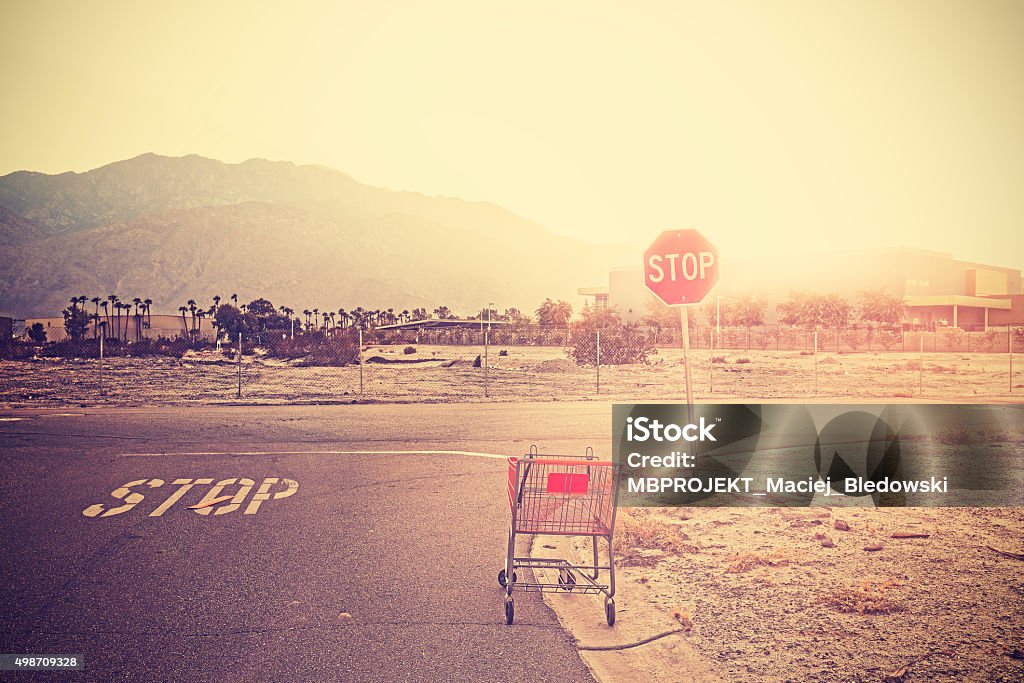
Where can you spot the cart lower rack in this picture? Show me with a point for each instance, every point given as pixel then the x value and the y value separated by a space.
pixel 565 495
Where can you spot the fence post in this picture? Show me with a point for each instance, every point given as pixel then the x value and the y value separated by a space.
pixel 599 361
pixel 920 367
pixel 239 365
pixel 487 365
pixel 360 361
pixel 101 335
pixel 711 369
pixel 1009 342
pixel 815 360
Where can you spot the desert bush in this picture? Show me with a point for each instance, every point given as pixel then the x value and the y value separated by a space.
pixel 887 338
pixel 503 352
pixel 744 562
pixel 639 531
pixel 409 350
pixel 620 345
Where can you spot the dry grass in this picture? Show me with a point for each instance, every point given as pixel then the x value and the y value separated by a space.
pixel 744 562
pixel 869 597
pixel 638 530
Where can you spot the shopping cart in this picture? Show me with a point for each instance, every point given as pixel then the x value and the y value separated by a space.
pixel 566 495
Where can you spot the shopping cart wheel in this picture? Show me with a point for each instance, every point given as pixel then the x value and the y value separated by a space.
pixel 510 609
pixel 609 611
pixel 503 581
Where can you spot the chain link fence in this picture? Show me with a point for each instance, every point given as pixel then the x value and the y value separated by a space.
pixel 627 363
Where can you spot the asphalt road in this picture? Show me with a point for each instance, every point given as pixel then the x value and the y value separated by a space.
pixel 381 566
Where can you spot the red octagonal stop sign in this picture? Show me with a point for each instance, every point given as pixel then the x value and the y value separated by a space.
pixel 681 267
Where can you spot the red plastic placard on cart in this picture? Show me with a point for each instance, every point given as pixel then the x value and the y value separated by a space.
pixel 573 484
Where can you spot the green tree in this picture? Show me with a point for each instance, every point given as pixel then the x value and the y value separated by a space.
pixel 744 310
pixel 554 313
pixel 233 321
pixel 811 310
pixel 878 308
pixel 76 322
pixel 599 318
pixel 37 333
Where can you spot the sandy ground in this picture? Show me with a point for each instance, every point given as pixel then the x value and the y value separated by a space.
pixel 784 594
pixel 446 374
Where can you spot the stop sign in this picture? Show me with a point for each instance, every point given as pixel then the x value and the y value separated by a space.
pixel 681 267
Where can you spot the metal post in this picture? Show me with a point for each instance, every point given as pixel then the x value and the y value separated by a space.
pixel 487 365
pixel 102 335
pixel 684 321
pixel 293 328
pixel 1009 341
pixel 360 361
pixel 599 361
pixel 718 317
pixel 815 360
pixel 239 365
pixel 711 368
pixel 920 367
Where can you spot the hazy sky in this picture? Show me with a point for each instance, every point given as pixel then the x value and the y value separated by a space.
pixel 768 125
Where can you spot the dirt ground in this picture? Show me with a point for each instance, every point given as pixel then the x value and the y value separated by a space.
pixel 446 374
pixel 794 594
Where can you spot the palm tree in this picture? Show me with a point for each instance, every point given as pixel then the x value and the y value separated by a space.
pixel 192 308
pixel 234 299
pixel 200 314
pixel 96 327
pixel 111 298
pixel 137 302
pixel 105 310
pixel 216 302
pixel 184 324
pixel 306 312
pixel 149 316
pixel 316 318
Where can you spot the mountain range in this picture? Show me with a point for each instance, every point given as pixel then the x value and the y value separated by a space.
pixel 177 228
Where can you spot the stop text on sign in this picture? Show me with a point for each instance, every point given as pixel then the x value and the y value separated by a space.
pixel 681 267
pixel 691 266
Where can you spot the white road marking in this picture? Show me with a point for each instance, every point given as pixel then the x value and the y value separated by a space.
pixel 474 454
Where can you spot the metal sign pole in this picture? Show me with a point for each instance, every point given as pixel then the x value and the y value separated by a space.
pixel 599 361
pixel 239 365
pixel 684 321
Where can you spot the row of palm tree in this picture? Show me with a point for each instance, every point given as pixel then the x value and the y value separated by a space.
pixel 114 311
pixel 127 319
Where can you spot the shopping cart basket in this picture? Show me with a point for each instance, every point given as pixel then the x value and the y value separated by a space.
pixel 562 495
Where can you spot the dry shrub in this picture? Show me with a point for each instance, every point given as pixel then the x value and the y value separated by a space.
pixel 744 562
pixel 869 597
pixel 642 532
